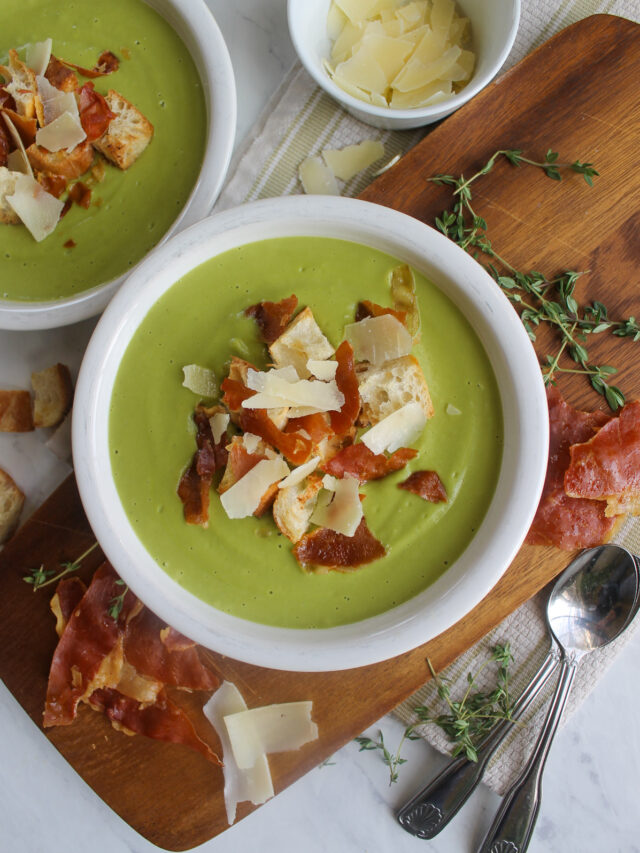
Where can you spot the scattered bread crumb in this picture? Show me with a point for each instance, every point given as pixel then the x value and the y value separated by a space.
pixel 53 395
pixel 11 503
pixel 15 411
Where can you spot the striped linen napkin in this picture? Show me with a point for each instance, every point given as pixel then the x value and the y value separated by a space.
pixel 300 121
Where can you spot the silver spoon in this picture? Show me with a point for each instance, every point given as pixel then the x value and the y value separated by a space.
pixel 431 809
pixel 591 604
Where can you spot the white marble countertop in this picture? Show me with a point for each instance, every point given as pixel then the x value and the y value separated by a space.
pixel 592 778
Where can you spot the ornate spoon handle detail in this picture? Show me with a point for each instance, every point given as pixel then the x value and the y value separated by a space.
pixel 432 808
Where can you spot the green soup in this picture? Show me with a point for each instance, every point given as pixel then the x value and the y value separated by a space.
pixel 246 567
pixel 131 210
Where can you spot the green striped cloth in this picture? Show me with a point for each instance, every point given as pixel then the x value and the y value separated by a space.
pixel 300 121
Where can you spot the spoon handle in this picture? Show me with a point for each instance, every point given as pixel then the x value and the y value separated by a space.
pixel 430 810
pixel 513 825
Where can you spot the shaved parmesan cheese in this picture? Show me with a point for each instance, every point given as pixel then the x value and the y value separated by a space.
pixel 20 155
pixel 344 513
pixel 271 728
pixel 347 162
pixel 251 442
pixel 452 410
pixel 357 10
pixel 378 339
pixel 63 132
pixel 298 474
pixel 218 423
pixel 54 101
pixel 254 785
pixel 336 20
pixel 399 429
pixel 37 209
pixel 38 56
pixel 243 498
pixel 324 370
pixel 257 379
pixel 200 380
pixel 316 178
pixel 278 392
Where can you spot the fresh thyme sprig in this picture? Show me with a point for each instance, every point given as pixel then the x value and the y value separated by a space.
pixel 538 299
pixel 469 719
pixel 392 760
pixel 42 577
pixel 117 602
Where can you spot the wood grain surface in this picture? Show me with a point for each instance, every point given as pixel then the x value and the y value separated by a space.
pixel 577 94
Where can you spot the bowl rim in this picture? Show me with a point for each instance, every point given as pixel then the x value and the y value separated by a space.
pixel 435 111
pixel 510 512
pixel 218 82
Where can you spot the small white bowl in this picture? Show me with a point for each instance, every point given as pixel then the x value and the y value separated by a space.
pixel 195 25
pixel 520 480
pixel 494 24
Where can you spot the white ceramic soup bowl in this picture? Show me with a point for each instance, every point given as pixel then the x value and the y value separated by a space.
pixel 508 516
pixel 494 24
pixel 195 25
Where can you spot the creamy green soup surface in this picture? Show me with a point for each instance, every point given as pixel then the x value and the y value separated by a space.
pixel 130 210
pixel 246 567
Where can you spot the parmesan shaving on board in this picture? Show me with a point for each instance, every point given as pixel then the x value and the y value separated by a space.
pixel 271 728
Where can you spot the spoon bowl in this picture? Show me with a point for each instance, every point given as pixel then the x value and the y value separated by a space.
pixel 593 601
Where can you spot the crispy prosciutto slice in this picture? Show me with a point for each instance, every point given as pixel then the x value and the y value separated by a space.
pixel 273 317
pixel 195 483
pixel 324 549
pixel 316 426
pixel 293 445
pixel 347 382
pixel 560 520
pixel 89 654
pixel 607 466
pixel 161 721
pixel 107 63
pixel 67 597
pixel 372 309
pixel 94 111
pixel 177 665
pixel 427 485
pixel 234 392
pixel 358 461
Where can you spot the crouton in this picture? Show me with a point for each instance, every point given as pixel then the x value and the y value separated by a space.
pixel 128 133
pixel 294 506
pixel 385 389
pixel 53 395
pixel 11 503
pixel 67 164
pixel 20 84
pixel 8 179
pixel 300 341
pixel 61 76
pixel 15 411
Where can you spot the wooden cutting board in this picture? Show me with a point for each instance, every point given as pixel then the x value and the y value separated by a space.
pixel 577 94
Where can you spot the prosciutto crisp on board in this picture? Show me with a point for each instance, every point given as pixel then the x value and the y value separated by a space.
pixel 121 666
pixel 593 475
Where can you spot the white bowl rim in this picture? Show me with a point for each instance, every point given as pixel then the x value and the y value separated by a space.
pixel 439 110
pixel 221 129
pixel 510 513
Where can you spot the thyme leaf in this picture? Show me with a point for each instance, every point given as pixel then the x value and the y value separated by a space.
pixel 391 759
pixel 538 299
pixel 467 720
pixel 117 602
pixel 41 577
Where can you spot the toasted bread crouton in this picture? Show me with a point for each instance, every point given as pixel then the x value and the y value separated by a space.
pixel 53 395
pixel 15 411
pixel 20 83
pixel 128 133
pixel 61 76
pixel 11 503
pixel 294 506
pixel 385 389
pixel 300 341
pixel 66 164
pixel 8 179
